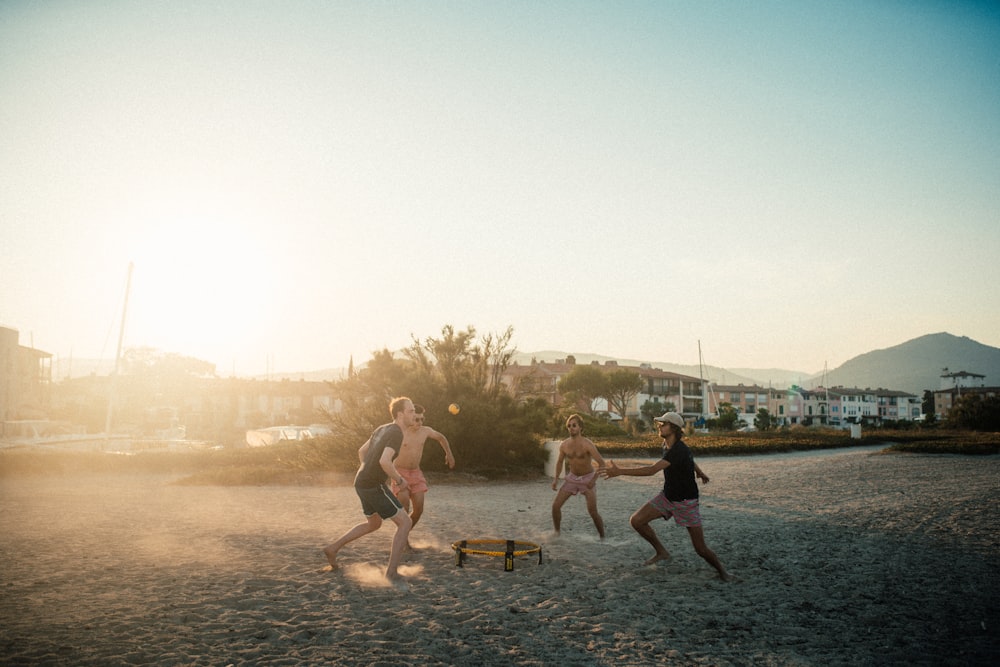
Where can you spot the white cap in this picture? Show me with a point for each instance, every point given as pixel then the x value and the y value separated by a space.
pixel 670 418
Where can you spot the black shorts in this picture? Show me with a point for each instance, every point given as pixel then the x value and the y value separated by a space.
pixel 378 500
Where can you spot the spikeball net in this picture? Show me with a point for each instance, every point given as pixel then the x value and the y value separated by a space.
pixel 509 549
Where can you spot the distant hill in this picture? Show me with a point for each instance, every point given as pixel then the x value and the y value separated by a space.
pixel 714 374
pixel 912 367
pixel 915 365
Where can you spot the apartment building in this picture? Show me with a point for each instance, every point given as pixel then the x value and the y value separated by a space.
pixel 955 385
pixel 540 379
pixel 25 378
pixel 830 406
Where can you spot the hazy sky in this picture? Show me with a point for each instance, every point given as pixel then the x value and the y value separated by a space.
pixel 791 183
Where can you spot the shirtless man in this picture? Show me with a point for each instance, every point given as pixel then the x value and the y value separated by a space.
pixel 579 453
pixel 408 465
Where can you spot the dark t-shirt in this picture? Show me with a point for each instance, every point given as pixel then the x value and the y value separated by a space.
pixel 678 478
pixel 370 474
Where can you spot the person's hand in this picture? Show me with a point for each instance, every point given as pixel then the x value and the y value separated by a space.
pixel 703 477
pixel 555 483
pixel 449 460
pixel 611 470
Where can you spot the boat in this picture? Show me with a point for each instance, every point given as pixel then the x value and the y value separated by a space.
pixel 264 437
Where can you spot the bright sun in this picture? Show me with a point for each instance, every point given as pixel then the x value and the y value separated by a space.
pixel 198 284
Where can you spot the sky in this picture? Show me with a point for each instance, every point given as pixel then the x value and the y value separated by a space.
pixel 297 184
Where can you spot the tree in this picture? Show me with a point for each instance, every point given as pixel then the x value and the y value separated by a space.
pixel 976 412
pixel 582 385
pixel 728 416
pixel 621 386
pixel 493 433
pixel 462 365
pixel 927 402
pixel 763 420
pixel 651 409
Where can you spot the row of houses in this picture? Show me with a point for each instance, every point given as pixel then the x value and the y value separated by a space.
pixel 222 409
pixel 695 398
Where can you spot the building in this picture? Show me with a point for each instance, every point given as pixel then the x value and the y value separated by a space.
pixel 956 385
pixel 823 406
pixel 745 399
pixel 540 379
pixel 202 408
pixel 897 405
pixel 25 379
pixel 961 380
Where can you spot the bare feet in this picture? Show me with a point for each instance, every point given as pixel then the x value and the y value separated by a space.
pixel 657 558
pixel 398 583
pixel 331 555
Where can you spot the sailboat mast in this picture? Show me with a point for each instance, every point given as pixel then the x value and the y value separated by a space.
pixel 118 354
pixel 701 376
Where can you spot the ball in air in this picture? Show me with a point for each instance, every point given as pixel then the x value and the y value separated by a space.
pixel 453 408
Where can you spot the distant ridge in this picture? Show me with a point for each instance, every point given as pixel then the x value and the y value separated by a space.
pixel 917 365
pixel 913 366
pixel 777 377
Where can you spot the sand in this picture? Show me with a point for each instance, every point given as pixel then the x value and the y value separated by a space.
pixel 842 558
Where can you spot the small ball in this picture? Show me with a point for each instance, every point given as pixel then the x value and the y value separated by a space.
pixel 453 408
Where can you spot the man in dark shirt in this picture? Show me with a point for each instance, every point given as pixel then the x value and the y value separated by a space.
pixel 377 501
pixel 679 498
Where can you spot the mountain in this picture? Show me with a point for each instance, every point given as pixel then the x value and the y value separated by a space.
pixel 912 366
pixel 915 365
pixel 715 374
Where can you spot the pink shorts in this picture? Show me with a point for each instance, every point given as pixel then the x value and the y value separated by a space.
pixel 415 480
pixel 575 484
pixel 685 512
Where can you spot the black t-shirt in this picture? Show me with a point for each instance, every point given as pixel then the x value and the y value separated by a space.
pixel 370 474
pixel 678 478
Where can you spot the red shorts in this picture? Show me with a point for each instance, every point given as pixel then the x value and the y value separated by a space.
pixel 685 512
pixel 415 481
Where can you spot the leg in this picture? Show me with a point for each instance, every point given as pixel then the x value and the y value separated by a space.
pixel 404 497
pixel 374 523
pixel 591 496
pixel 557 504
pixel 418 507
pixel 403 525
pixel 418 510
pixel 640 522
pixel 697 534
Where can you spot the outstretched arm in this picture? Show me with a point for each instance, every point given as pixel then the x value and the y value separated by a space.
pixel 594 454
pixel 613 470
pixel 443 441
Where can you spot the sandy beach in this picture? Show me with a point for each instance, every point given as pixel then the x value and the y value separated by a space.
pixel 847 557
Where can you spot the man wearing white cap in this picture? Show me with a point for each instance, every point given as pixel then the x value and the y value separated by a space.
pixel 679 498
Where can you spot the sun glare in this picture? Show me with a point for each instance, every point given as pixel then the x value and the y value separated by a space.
pixel 198 282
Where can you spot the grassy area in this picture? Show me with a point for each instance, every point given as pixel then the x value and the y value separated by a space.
pixel 322 461
pixel 803 439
